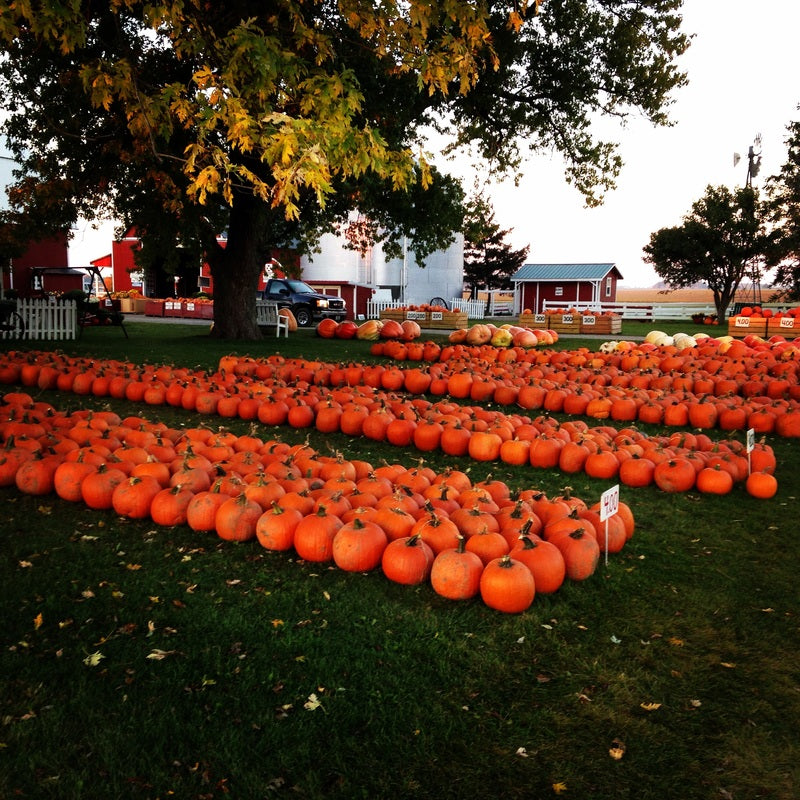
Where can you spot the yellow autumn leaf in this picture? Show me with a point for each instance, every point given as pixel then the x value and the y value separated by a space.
pixel 313 703
pixel 37 621
pixel 515 21
pixel 650 706
pixel 728 664
pixel 675 641
pixel 559 788
pixel 94 659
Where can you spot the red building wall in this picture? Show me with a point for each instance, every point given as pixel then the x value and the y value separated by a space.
pixel 50 252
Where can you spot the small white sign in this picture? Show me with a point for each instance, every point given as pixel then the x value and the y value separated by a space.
pixel 436 316
pixel 751 439
pixel 540 318
pixel 742 322
pixel 589 320
pixel 609 503
pixel 786 322
pixel 566 319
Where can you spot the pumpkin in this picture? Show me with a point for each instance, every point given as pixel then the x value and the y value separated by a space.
pixel 169 506
pixel 358 545
pixel 762 485
pixel 581 553
pixel 456 573
pixel 313 536
pixel 275 527
pixel 507 585
pixel 236 519
pixel 407 560
pixel 326 328
pixel 544 560
pixel 134 496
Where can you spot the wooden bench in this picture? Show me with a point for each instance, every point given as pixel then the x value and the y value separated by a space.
pixel 267 316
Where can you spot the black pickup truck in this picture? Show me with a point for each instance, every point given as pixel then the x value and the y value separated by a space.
pixel 307 305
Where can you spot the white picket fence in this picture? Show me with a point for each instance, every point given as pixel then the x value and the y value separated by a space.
pixel 46 318
pixel 476 309
pixel 643 311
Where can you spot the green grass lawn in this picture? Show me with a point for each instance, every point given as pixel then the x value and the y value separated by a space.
pixel 142 662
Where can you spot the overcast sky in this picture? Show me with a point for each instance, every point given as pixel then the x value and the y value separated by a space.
pixel 744 80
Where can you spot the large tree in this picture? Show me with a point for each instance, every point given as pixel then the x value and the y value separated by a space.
pixel 489 260
pixel 783 214
pixel 719 243
pixel 272 121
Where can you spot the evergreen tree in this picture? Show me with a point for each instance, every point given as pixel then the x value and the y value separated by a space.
pixel 489 260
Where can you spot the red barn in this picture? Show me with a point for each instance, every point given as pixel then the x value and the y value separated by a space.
pixel 584 285
pixel 43 267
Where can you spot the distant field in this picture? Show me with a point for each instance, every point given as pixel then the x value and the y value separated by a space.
pixel 658 296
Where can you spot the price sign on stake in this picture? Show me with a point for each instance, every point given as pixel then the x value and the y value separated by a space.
pixel 751 443
pixel 609 505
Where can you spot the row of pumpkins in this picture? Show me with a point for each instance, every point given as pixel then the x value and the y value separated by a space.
pixel 479 334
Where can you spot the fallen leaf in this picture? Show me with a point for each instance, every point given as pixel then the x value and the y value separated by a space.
pixel 160 655
pixel 151 627
pixel 559 788
pixel 617 749
pixel 520 640
pixel 650 706
pixel 87 538
pixel 276 623
pixel 313 703
pixel 326 595
pixel 133 567
pixel 614 640
pixel 46 510
pixel 675 641
pixel 522 752
pixel 728 664
pixel 695 704
pixel 25 564
pixel 94 659
pixel 87 593
pixel 37 621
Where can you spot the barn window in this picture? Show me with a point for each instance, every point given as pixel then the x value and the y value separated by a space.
pixel 559 291
pixel 608 286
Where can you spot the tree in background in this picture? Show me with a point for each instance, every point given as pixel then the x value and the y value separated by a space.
pixel 273 122
pixel 489 261
pixel 717 243
pixel 782 210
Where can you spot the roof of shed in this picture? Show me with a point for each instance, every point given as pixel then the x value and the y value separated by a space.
pixel 564 272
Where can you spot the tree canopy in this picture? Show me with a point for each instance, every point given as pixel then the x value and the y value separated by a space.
pixel 718 243
pixel 272 122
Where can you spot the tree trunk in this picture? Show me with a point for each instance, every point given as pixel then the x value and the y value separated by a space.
pixel 236 270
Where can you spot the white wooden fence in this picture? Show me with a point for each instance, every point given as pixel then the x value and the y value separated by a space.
pixel 476 309
pixel 46 318
pixel 643 311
